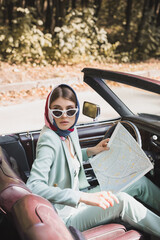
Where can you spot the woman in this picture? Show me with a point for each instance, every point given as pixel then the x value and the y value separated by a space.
pixel 57 173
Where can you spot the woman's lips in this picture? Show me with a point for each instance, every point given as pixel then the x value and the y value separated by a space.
pixel 64 122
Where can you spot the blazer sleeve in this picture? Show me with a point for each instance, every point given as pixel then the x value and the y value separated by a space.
pixel 39 181
pixel 84 154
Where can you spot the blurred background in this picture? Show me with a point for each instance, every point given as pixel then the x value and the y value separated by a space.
pixel 47 42
pixel 70 31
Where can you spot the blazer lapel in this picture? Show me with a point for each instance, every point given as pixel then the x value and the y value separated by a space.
pixel 76 147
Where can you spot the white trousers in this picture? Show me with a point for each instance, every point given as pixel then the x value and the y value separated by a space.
pixel 128 210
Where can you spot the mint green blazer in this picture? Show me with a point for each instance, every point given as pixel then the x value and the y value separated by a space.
pixel 52 173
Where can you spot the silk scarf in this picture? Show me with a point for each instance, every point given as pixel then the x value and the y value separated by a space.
pixel 49 119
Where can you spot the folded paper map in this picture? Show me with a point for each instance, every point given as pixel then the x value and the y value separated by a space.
pixel 124 163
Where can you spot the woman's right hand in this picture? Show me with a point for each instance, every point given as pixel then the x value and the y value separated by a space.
pixel 100 199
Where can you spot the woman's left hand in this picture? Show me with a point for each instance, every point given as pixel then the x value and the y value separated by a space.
pixel 100 199
pixel 100 147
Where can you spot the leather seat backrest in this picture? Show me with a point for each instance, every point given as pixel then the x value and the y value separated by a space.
pixel 12 188
pixel 16 155
pixel 40 221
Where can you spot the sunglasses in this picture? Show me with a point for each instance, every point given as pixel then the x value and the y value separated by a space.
pixel 57 113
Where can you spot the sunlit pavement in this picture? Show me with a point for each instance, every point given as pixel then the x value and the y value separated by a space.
pixel 30 115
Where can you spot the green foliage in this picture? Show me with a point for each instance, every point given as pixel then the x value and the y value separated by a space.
pixel 23 42
pixel 79 39
pixel 131 47
pixel 149 41
pixel 82 38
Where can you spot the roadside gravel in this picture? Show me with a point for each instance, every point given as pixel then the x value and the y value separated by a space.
pixel 26 83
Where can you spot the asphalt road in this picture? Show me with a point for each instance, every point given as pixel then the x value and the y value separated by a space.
pixel 30 115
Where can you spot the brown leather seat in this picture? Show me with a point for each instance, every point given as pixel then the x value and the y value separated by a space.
pixel 12 188
pixel 111 231
pixel 130 235
pixel 107 231
pixel 40 222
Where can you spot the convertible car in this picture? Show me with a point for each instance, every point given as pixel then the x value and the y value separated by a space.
pixel 112 97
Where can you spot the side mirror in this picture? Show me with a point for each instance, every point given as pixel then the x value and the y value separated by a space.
pixel 91 110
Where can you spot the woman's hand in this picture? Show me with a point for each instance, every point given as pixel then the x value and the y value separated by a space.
pixel 100 199
pixel 101 146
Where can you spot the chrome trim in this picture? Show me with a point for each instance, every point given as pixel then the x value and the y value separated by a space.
pixel 82 125
pixel 91 138
pixel 27 134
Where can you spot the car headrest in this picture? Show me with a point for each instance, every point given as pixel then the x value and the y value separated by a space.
pixel 36 219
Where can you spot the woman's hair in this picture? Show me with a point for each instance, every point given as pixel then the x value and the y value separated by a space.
pixel 64 92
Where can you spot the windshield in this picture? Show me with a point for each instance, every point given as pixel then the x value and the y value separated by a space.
pixel 136 99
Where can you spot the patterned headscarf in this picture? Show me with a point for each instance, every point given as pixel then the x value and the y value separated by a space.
pixel 49 120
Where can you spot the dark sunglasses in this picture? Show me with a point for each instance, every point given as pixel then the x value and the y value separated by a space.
pixel 57 113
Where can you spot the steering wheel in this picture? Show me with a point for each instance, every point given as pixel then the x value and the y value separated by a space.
pixel 129 126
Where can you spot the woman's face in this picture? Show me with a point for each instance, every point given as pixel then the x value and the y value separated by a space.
pixel 64 122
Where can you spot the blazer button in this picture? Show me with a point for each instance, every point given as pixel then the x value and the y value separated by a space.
pixel 55 184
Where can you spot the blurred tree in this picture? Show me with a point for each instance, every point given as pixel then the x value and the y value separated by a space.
pixel 30 3
pixel 134 24
pixel 146 5
pixel 73 4
pixel 148 34
pixel 49 17
pixel 60 12
pixel 98 4
pixel 8 12
pixel 128 17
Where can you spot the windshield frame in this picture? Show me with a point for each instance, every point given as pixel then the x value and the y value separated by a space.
pixel 96 79
pixel 145 83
